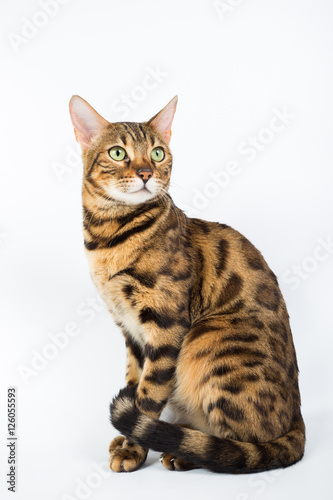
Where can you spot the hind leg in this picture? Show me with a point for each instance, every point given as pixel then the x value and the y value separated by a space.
pixel 231 391
pixel 171 462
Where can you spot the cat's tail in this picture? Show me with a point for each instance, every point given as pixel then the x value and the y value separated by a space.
pixel 203 450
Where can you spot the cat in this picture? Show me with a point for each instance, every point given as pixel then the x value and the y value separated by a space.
pixel 206 327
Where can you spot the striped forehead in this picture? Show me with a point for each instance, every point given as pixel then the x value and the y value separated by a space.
pixel 136 135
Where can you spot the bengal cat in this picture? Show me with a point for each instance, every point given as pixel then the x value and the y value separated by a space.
pixel 206 327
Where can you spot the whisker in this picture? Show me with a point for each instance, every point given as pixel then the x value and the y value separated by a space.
pixel 178 186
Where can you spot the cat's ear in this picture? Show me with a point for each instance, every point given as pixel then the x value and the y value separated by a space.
pixel 87 123
pixel 162 122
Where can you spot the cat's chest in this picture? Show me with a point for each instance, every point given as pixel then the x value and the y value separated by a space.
pixel 128 317
pixel 112 288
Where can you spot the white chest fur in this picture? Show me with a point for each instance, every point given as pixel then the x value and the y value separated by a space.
pixel 128 318
pixel 111 290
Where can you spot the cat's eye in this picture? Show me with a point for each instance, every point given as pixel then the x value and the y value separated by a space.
pixel 117 153
pixel 157 154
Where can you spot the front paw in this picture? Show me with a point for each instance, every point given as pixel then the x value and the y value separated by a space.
pixel 124 413
pixel 125 455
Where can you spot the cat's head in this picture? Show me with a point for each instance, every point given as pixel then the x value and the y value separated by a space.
pixel 126 162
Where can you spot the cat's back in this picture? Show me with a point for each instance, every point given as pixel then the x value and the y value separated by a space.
pixel 232 275
pixel 225 245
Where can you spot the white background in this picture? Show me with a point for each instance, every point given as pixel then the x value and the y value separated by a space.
pixel 231 70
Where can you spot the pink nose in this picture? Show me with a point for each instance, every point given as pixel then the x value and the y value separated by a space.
pixel 145 174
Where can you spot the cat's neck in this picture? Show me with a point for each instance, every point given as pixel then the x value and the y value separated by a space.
pixel 103 218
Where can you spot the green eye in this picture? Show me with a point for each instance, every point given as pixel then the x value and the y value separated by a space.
pixel 157 154
pixel 117 153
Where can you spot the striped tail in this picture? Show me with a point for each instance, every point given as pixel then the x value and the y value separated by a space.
pixel 203 450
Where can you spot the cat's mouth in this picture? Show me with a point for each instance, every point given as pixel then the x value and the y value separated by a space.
pixel 131 195
pixel 144 189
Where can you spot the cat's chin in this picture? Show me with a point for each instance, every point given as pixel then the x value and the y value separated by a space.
pixel 134 198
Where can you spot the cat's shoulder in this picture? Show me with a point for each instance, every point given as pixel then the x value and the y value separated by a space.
pixel 214 229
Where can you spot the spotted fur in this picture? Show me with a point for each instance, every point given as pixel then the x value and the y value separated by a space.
pixel 206 327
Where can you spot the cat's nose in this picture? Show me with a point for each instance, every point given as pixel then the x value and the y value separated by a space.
pixel 145 174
